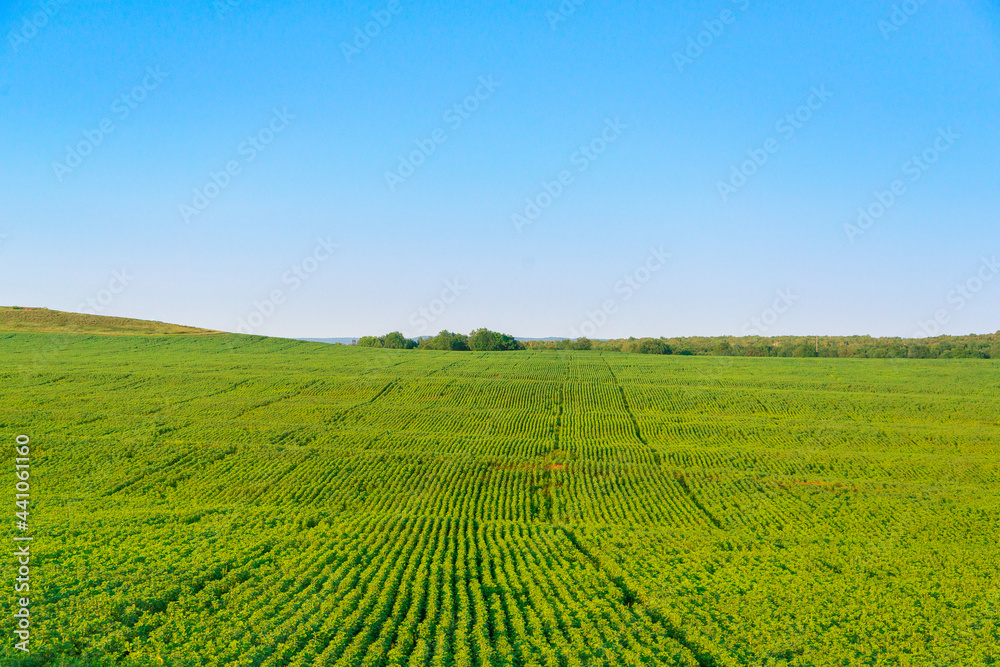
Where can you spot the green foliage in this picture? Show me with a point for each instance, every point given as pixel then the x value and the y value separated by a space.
pixel 942 347
pixel 805 349
pixel 397 341
pixel 480 340
pixel 237 500
pixel 651 346
pixel 445 341
pixel 484 340
pixel 390 341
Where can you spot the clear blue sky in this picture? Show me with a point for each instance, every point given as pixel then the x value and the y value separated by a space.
pixel 183 86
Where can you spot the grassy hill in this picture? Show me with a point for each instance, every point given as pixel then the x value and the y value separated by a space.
pixel 42 320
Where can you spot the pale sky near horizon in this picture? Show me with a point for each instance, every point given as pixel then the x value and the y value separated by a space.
pixel 691 168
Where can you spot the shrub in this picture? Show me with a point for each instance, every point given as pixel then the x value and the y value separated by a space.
pixel 484 340
pixel 653 346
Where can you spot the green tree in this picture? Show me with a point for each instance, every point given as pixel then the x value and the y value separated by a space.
pixel 484 340
pixel 446 340
pixel 397 341
pixel 723 348
pixel 653 346
pixel 805 349
pixel 393 341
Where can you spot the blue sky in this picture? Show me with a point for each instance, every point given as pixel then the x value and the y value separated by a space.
pixel 226 166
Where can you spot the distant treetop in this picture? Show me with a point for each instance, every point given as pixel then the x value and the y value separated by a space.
pixel 985 346
pixel 480 340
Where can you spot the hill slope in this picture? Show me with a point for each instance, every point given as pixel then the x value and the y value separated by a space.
pixel 43 320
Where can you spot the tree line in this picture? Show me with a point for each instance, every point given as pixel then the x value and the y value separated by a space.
pixel 986 346
pixel 480 340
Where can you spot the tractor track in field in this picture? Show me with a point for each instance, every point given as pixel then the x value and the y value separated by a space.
pixel 628 409
pixel 633 596
pixel 343 414
pixel 277 399
pixel 179 460
pixel 682 481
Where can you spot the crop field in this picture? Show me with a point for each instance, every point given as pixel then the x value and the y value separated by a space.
pixel 222 500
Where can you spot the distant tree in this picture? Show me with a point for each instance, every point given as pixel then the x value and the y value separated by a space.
pixel 723 348
pixel 394 341
pixel 484 340
pixel 804 349
pixel 446 340
pixel 653 346
pixel 397 341
pixel 859 347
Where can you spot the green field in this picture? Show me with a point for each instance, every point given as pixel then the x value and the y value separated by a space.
pixel 228 500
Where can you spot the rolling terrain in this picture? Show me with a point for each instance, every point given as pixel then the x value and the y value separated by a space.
pixel 43 320
pixel 234 500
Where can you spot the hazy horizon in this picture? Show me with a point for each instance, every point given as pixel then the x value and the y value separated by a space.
pixel 343 339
